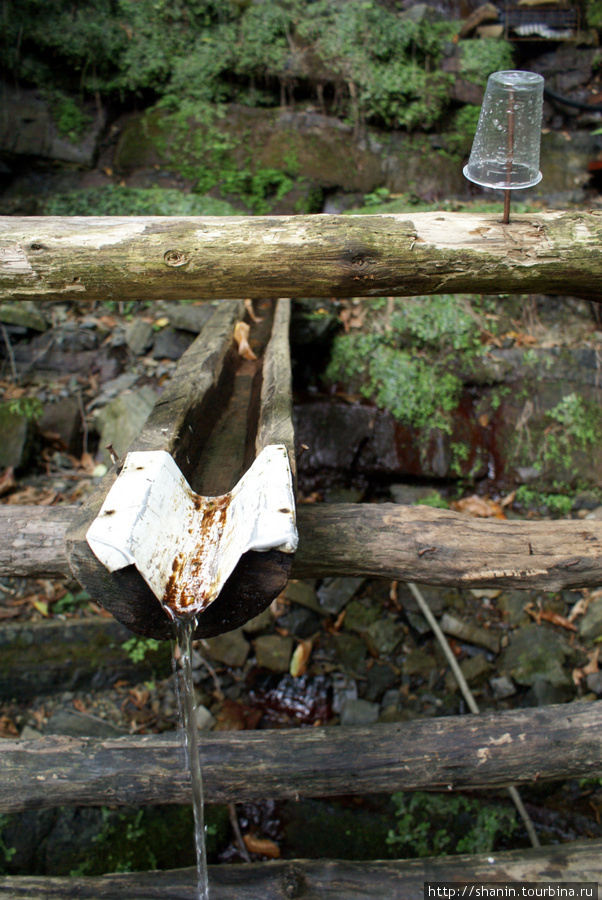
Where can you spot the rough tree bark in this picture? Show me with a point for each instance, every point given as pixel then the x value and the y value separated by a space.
pixel 487 751
pixel 299 256
pixel 332 879
pixel 402 543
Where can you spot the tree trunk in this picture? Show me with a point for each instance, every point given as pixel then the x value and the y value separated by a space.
pixel 333 879
pixel 485 751
pixel 402 543
pixel 299 256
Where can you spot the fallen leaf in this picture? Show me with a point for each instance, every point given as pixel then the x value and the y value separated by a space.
pixel 8 729
pixel 41 606
pixel 252 314
pixel 300 658
pixel 590 668
pixel 241 336
pixel 546 615
pixel 161 322
pixel 7 480
pixel 79 705
pixel 521 339
pixel 262 846
pixel 480 507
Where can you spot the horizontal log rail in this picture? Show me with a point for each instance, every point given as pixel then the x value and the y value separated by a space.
pixel 336 879
pixel 300 256
pixel 465 752
pixel 389 541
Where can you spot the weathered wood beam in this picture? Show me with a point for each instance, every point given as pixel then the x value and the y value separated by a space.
pixel 335 879
pixel 300 256
pixel 520 746
pixel 403 543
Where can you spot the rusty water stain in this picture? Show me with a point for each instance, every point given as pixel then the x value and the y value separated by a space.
pixel 192 580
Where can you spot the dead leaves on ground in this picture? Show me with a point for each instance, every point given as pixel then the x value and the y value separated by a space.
pixel 241 336
pixel 479 507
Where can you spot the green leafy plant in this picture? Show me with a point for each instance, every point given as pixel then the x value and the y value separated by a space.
pixel 430 825
pixel 6 853
pixel 30 407
pixel 137 648
pixel 70 602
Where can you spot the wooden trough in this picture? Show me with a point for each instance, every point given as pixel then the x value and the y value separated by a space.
pixel 209 397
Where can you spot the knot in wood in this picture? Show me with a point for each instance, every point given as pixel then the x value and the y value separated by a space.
pixel 175 258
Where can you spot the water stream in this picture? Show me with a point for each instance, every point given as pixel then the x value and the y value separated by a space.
pixel 184 628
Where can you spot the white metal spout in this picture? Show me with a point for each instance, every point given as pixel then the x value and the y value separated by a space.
pixel 184 545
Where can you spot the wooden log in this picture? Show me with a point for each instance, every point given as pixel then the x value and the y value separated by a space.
pixel 401 543
pixel 184 423
pixel 300 256
pixel 487 751
pixel 303 879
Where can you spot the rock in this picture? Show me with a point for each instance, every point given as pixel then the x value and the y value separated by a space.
pixel 471 634
pixel 230 648
pixel 359 616
pixel 534 653
pixel 273 652
pixel 16 431
pixel 304 594
pixel 121 420
pixel 170 344
pixel 113 388
pixel 343 689
pixel 259 623
pixel 418 622
pixel 190 317
pixel 30 734
pixel 474 668
pixel 512 604
pixel 28 128
pixel 594 682
pixel 63 417
pixel 303 623
pixel 502 687
pixel 545 694
pixel 335 593
pixel 590 626
pixel 349 649
pixel 595 514
pixel 204 719
pixel 139 336
pixel 391 700
pixel 77 724
pixel 384 635
pixel 24 314
pixel 379 679
pixel 408 494
pixel 419 662
pixel 359 712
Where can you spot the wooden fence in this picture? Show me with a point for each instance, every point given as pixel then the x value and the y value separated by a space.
pixel 319 256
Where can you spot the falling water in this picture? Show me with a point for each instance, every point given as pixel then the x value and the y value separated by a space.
pixel 184 628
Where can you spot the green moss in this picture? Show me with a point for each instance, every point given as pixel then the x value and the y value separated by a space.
pixel 480 58
pixel 114 200
pixel 576 427
pixel 548 504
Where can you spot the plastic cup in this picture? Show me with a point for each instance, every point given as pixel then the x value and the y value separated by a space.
pixel 505 151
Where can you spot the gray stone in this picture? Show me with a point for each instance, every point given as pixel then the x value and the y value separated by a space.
pixel 419 662
pixel 543 693
pixel 230 648
pixel 170 344
pixel 595 514
pixel 351 651
pixel 259 623
pixel 418 622
pixel 474 668
pixel 63 417
pixel 384 636
pixel 359 712
pixel 590 626
pixel 359 616
pixel 303 623
pixel 190 318
pixel 121 420
pixel 512 604
pixel 594 682
pixel 24 314
pixel 408 494
pixel 378 680
pixel 274 652
pixel 472 634
pixel 139 336
pixel 204 719
pixel 15 429
pixel 335 593
pixel 391 700
pixel 77 724
pixel 502 687
pixel 30 734
pixel 534 653
pixel 303 594
pixel 114 387
pixel 343 689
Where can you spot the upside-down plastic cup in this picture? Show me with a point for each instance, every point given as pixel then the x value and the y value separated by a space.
pixel 505 151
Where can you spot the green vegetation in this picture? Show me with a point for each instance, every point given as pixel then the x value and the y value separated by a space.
pixel 6 853
pixel 137 648
pixel 577 426
pixel 114 200
pixel 30 407
pixel 70 602
pixel 408 361
pixel 71 121
pixel 434 500
pixel 481 58
pixel 548 504
pixel 430 825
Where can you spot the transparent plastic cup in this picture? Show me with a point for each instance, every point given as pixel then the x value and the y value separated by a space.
pixel 505 151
